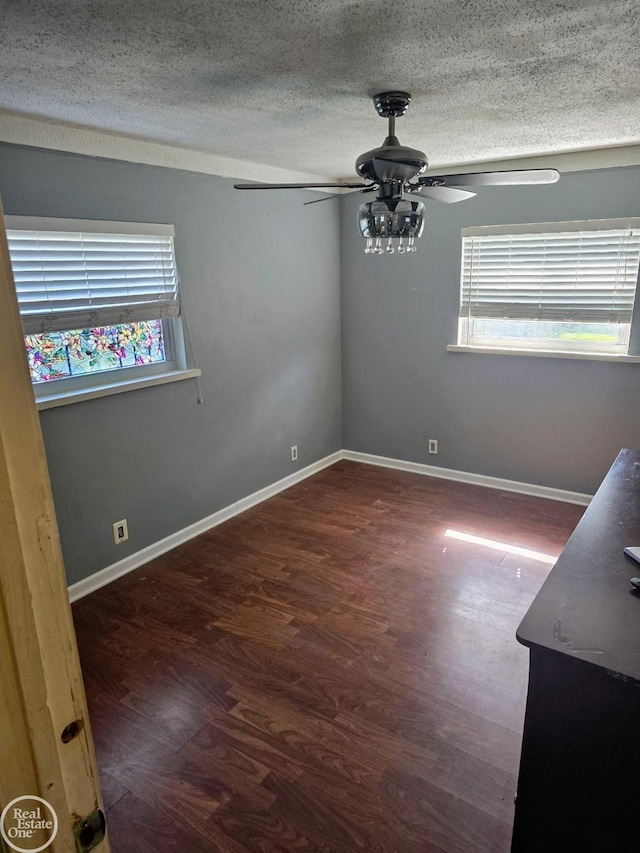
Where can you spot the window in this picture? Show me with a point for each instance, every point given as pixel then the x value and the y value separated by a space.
pixel 96 299
pixel 78 352
pixel 565 287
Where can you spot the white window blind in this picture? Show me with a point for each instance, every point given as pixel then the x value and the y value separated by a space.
pixel 76 274
pixel 584 272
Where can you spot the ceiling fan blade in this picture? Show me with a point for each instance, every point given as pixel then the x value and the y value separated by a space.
pixel 387 169
pixel 368 189
pixel 500 179
pixel 341 195
pixel 297 186
pixel 324 198
pixel 449 195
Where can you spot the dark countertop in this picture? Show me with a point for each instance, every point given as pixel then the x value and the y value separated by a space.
pixel 586 608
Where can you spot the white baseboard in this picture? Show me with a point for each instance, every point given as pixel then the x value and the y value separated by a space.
pixel 134 561
pixel 465 477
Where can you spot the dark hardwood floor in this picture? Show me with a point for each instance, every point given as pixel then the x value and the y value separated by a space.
pixel 331 671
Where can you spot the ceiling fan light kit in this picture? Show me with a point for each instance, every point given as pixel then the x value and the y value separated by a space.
pixel 396 173
pixel 389 219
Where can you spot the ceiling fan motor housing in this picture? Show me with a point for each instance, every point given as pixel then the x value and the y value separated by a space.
pixel 395 162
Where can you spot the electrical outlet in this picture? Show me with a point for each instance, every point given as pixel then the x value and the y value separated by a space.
pixel 433 445
pixel 294 452
pixel 120 531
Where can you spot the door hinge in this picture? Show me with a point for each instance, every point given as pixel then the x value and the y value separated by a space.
pixel 89 831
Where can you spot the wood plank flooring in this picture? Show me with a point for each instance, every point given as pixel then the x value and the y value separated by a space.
pixel 330 671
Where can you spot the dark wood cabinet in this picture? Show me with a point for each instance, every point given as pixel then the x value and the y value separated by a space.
pixel 579 782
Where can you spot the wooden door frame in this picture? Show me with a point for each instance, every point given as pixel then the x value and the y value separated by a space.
pixel 41 689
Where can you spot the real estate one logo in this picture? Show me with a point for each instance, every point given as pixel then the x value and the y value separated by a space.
pixel 28 824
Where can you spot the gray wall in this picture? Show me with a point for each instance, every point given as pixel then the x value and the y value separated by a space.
pixel 553 422
pixel 261 288
pixel 265 316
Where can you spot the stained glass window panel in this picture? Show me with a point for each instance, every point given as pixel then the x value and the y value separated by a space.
pixel 59 355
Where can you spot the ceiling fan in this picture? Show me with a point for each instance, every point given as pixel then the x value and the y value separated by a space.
pixel 395 172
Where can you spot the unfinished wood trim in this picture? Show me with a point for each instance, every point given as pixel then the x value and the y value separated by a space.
pixel 41 685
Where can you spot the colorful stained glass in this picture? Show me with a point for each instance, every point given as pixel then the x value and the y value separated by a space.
pixel 59 355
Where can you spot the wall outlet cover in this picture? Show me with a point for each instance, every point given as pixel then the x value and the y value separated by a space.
pixel 120 531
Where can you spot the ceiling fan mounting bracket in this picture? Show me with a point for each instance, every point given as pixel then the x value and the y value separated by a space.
pixel 391 104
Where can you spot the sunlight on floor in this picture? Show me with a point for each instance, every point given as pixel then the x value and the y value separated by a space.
pixel 500 546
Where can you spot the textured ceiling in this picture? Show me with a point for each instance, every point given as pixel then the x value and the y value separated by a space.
pixel 287 83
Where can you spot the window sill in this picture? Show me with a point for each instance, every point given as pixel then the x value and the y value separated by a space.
pixel 51 401
pixel 541 353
